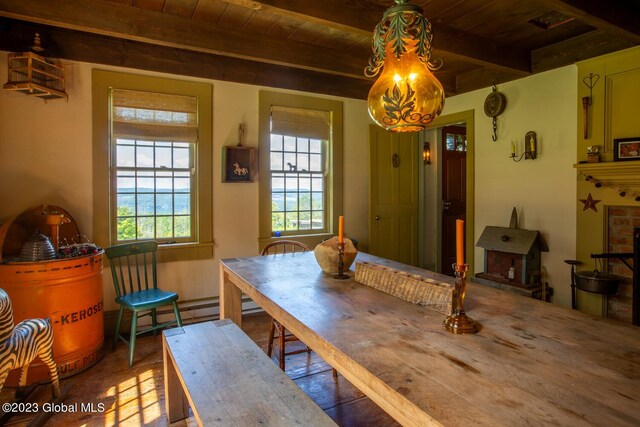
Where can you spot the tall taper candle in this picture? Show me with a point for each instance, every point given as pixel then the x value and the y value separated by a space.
pixel 340 229
pixel 459 242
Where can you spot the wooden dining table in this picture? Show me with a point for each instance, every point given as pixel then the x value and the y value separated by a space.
pixel 531 363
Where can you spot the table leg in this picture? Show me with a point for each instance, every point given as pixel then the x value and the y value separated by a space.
pixel 175 400
pixel 230 299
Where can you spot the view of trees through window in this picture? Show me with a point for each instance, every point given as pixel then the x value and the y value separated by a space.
pixel 153 190
pixel 456 142
pixel 297 183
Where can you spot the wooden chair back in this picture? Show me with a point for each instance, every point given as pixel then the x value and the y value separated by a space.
pixel 284 247
pixel 133 267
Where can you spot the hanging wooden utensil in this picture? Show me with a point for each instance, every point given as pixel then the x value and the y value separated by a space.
pixel 589 81
pixel 585 115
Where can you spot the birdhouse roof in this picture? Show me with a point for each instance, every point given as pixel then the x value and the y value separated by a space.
pixel 512 240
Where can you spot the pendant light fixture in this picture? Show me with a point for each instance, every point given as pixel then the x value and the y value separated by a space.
pixel 407 96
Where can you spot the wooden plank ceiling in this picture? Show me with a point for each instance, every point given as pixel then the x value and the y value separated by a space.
pixel 319 46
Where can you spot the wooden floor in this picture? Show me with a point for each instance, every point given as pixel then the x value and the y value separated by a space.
pixel 135 396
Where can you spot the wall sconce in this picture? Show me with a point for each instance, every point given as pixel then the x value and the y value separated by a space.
pixel 530 148
pixel 426 153
pixel 407 96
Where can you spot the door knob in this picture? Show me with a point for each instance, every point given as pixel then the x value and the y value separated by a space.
pixel 446 205
pixel 377 217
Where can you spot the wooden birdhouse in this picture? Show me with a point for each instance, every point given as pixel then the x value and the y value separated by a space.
pixel 508 247
pixel 33 74
pixel 512 259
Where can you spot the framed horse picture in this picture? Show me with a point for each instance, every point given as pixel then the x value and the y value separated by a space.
pixel 238 163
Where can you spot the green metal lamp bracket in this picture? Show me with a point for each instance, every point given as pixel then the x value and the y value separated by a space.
pixel 400 23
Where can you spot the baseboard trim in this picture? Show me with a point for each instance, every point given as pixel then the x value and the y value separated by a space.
pixel 191 311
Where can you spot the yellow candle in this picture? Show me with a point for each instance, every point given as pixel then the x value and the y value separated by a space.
pixel 513 149
pixel 459 242
pixel 340 229
pixel 533 145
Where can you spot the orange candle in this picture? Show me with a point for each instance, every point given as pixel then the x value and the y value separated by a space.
pixel 459 242
pixel 340 229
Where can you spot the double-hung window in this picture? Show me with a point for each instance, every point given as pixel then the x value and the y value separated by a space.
pixel 298 163
pixel 300 167
pixel 152 163
pixel 153 171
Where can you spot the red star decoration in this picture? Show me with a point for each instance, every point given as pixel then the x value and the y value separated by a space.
pixel 589 203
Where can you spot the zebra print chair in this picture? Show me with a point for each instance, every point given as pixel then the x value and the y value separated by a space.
pixel 21 344
pixel 133 268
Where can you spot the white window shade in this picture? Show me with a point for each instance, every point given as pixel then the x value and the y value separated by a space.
pixel 157 116
pixel 301 123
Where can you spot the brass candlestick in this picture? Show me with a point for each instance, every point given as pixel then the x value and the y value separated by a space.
pixel 458 322
pixel 341 274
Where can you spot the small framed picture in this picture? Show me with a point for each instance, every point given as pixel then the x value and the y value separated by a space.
pixel 238 163
pixel 626 149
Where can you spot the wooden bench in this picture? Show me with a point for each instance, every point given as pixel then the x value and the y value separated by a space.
pixel 228 380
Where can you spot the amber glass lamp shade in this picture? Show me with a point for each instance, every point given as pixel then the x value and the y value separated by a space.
pixel 407 96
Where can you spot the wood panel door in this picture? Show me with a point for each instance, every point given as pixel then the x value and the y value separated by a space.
pixel 393 209
pixel 454 191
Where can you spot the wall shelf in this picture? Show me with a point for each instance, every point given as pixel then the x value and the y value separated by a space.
pixel 613 173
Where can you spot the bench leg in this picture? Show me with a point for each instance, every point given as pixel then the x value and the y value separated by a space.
pixel 175 401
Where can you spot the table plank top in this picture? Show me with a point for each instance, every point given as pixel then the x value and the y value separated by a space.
pixel 531 363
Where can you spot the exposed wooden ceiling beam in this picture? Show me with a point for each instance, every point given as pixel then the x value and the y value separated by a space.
pixel 580 48
pixel 85 47
pixel 353 16
pixel 481 78
pixel 618 17
pixel 140 25
pixel 585 46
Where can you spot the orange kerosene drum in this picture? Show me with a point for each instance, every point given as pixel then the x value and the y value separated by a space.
pixel 68 291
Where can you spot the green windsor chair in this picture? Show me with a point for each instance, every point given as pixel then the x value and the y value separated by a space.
pixel 133 267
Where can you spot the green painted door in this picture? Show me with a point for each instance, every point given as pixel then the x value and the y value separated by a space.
pixel 393 195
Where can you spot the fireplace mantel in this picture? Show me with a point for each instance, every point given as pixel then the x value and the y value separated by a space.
pixel 613 184
pixel 613 173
